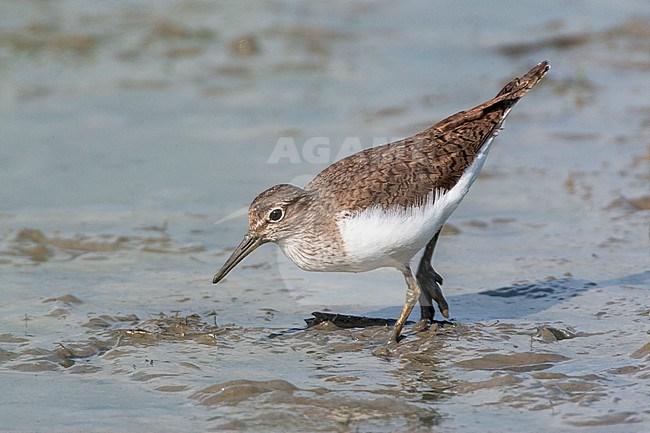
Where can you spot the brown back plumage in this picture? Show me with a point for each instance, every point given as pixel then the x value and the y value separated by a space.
pixel 406 171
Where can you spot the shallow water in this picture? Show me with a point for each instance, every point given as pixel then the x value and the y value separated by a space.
pixel 127 130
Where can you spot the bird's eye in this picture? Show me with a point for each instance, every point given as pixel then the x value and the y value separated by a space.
pixel 276 215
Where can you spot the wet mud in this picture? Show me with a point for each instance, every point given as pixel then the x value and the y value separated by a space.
pixel 331 381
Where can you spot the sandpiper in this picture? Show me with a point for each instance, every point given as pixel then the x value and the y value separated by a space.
pixel 381 206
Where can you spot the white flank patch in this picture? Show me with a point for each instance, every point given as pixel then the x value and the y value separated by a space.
pixel 375 238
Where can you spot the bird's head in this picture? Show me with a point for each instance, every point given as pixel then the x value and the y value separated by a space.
pixel 272 217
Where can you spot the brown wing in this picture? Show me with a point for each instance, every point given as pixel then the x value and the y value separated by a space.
pixel 396 173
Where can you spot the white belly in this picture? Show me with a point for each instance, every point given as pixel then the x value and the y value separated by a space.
pixel 375 237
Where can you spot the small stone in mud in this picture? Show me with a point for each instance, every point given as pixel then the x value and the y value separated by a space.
pixel 550 334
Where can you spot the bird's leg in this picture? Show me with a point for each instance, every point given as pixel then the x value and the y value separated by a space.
pixel 412 295
pixel 430 282
pixel 426 309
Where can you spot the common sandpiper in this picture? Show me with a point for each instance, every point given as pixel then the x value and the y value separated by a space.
pixel 381 206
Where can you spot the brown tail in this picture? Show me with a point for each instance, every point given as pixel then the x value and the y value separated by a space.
pixel 520 86
pixel 506 98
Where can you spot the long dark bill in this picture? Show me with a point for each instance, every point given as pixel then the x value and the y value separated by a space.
pixel 245 248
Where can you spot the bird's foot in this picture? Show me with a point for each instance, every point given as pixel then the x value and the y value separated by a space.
pixel 430 281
